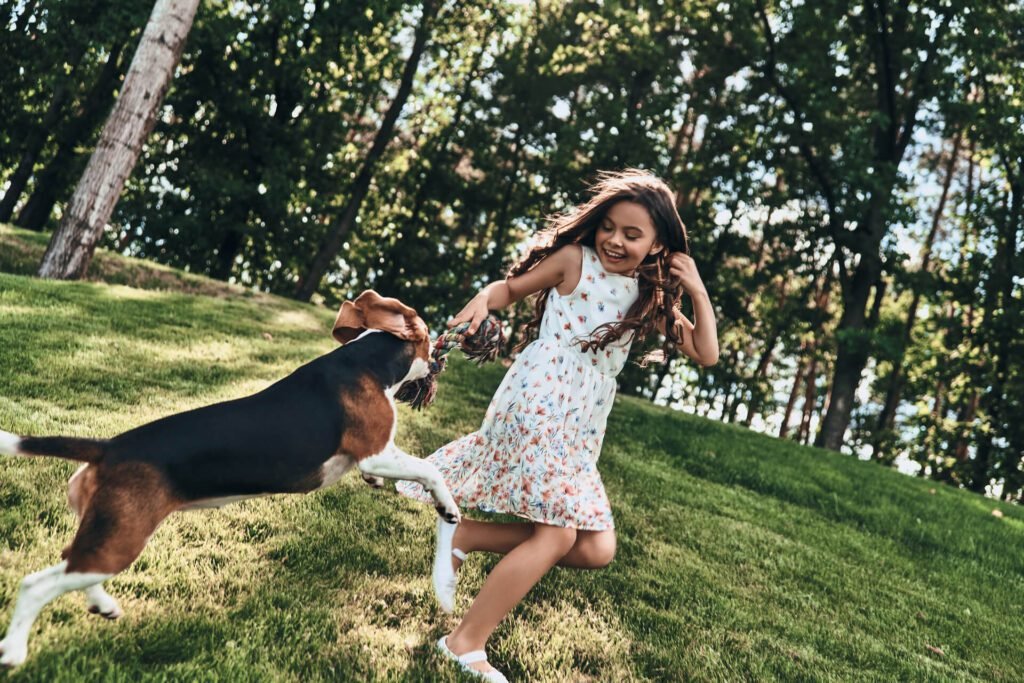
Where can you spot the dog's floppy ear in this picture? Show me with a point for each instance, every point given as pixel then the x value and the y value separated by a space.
pixel 351 322
pixel 371 311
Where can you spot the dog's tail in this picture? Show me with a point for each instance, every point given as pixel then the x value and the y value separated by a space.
pixel 69 448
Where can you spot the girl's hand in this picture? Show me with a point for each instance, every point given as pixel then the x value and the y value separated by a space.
pixel 474 313
pixel 683 269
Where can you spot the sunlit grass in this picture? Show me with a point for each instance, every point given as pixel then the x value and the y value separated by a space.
pixel 741 557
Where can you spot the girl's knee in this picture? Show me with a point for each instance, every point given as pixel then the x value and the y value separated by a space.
pixel 561 539
pixel 604 550
pixel 598 550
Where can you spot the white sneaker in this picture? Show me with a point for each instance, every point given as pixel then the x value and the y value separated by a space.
pixel 494 676
pixel 443 575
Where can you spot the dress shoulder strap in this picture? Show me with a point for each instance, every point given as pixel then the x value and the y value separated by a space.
pixel 584 258
pixel 589 261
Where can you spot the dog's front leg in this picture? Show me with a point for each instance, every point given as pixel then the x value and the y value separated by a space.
pixel 375 482
pixel 394 463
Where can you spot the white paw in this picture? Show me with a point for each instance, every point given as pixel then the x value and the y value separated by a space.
pixel 450 512
pixel 112 612
pixel 13 655
pixel 375 482
pixel 102 604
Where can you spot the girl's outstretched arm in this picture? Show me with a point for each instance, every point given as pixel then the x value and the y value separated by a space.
pixel 551 272
pixel 699 338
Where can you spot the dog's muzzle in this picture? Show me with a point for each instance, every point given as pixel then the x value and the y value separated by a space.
pixel 480 347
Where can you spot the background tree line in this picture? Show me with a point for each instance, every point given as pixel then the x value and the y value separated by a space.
pixel 851 175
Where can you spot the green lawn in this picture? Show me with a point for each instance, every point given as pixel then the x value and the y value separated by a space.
pixel 741 557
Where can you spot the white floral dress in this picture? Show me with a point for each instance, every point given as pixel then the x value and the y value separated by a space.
pixel 535 455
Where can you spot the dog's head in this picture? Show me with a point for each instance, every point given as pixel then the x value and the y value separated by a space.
pixel 371 311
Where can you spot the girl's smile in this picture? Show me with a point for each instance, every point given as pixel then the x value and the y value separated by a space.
pixel 625 237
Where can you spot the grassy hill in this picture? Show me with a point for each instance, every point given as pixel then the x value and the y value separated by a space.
pixel 741 557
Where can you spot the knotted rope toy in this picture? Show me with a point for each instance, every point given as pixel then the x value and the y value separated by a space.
pixel 479 347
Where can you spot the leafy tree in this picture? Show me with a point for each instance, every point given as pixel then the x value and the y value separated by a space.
pixel 72 245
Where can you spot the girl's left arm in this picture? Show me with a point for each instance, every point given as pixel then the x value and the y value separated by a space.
pixel 699 338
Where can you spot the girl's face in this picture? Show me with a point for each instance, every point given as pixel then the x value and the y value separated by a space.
pixel 625 237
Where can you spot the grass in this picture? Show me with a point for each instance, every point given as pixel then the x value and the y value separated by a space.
pixel 741 557
pixel 22 250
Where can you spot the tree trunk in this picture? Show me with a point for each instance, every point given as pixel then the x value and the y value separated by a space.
pixel 892 136
pixel 1002 308
pixel 852 354
pixel 33 147
pixel 677 144
pixel 50 181
pixel 760 373
pixel 732 403
pixel 361 186
pixel 797 380
pixel 639 84
pixel 966 416
pixel 810 397
pixel 938 404
pixel 133 117
pixel 226 253
pixel 969 410
pixel 886 418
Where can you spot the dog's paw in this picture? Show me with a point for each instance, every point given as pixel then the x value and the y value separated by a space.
pixel 375 482
pixel 109 613
pixel 449 514
pixel 11 655
pixel 100 602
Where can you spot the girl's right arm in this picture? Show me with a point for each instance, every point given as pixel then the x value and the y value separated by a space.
pixel 550 272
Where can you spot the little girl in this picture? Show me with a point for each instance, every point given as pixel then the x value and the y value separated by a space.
pixel 608 274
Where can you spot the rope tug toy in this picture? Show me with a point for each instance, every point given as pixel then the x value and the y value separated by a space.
pixel 480 347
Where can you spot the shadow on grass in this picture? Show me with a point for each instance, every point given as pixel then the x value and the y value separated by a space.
pixel 336 576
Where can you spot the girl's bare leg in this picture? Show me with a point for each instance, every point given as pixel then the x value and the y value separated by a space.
pixel 592 549
pixel 508 583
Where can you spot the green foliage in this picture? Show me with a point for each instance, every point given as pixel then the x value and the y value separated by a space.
pixel 266 121
pixel 51 55
pixel 804 140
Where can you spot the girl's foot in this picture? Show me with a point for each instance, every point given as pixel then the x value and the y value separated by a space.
pixel 474 662
pixel 447 560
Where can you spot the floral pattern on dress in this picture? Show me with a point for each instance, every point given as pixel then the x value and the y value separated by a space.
pixel 536 453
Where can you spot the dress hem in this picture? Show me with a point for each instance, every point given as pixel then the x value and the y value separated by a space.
pixel 523 515
pixel 425 498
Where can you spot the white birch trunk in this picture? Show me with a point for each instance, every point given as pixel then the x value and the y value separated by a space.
pixel 132 119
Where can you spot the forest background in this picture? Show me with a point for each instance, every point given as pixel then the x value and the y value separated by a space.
pixel 851 175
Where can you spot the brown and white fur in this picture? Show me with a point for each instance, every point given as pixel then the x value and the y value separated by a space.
pixel 298 435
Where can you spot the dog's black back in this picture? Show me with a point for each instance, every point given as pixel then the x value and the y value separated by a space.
pixel 280 436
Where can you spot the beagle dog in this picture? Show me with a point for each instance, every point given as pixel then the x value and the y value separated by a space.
pixel 298 435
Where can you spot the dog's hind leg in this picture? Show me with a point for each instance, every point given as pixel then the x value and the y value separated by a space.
pixel 117 521
pixel 394 463
pixel 121 515
pixel 36 591
pixel 80 491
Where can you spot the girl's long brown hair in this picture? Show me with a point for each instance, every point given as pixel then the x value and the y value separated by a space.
pixel 658 295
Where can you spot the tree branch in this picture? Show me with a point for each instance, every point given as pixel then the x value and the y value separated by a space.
pixel 921 84
pixel 815 165
pixel 884 65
